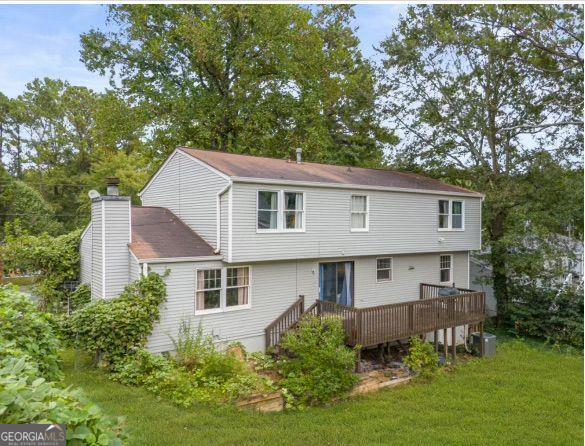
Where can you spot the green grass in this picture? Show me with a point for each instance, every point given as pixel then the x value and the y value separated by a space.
pixel 528 395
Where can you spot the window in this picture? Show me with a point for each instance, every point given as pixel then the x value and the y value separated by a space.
pixel 451 215
pixel 208 289
pixel 238 284
pixel 222 289
pixel 445 266
pixel 359 212
pixel 280 211
pixel 293 210
pixel 384 269
pixel 267 209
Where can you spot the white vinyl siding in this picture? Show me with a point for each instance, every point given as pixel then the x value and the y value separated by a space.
pixel 85 256
pixel 276 285
pixel 399 222
pixel 189 190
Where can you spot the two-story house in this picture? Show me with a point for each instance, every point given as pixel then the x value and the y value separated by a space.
pixel 243 237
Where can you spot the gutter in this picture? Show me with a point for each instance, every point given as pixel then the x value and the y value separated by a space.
pixel 218 216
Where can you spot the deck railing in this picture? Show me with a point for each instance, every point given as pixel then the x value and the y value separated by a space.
pixel 429 290
pixel 386 323
pixel 284 322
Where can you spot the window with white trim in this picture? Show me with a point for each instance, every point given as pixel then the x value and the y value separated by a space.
pixel 451 215
pixel 384 269
pixel 293 210
pixel 221 289
pixel 267 209
pixel 208 294
pixel 446 268
pixel 359 212
pixel 280 210
pixel 237 286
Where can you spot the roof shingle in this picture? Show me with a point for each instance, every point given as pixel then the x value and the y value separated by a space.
pixel 246 166
pixel 158 233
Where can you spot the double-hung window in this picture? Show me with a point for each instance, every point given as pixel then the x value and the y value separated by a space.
pixel 359 213
pixel 208 294
pixel 221 289
pixel 451 216
pixel 446 268
pixel 384 269
pixel 280 210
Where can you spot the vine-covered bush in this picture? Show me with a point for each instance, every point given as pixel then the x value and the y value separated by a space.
pixel 26 398
pixel 55 259
pixel 422 358
pixel 317 366
pixel 111 329
pixel 545 312
pixel 80 297
pixel 25 328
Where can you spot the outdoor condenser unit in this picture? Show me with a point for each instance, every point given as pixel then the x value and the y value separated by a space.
pixel 489 344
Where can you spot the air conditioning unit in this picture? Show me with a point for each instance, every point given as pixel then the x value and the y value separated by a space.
pixel 489 344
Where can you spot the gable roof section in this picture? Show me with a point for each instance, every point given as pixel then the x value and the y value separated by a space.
pixel 247 167
pixel 157 233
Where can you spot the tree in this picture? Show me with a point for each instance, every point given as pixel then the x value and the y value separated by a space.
pixel 489 90
pixel 244 78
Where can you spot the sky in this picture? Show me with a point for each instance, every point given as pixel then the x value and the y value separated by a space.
pixel 43 41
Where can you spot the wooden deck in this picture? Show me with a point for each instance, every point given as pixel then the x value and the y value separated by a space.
pixel 368 327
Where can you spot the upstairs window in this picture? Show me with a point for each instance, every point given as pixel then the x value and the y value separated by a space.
pixel 279 211
pixel 267 209
pixel 451 215
pixel 359 213
pixel 293 210
pixel 446 268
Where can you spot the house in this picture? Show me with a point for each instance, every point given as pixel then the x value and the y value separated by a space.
pixel 242 237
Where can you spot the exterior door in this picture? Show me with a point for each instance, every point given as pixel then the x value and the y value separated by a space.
pixel 336 282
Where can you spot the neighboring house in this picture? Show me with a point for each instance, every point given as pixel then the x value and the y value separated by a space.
pixel 243 237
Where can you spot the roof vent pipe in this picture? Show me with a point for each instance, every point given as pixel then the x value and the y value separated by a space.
pixel 299 155
pixel 112 186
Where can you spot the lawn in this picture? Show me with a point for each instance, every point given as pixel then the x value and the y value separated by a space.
pixel 528 395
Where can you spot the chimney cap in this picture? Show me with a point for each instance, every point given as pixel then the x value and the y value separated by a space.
pixel 112 181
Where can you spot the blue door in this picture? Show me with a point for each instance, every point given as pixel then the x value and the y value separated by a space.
pixel 336 282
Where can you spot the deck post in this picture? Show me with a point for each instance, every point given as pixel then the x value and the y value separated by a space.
pixel 445 344
pixel 436 339
pixel 481 339
pixel 454 343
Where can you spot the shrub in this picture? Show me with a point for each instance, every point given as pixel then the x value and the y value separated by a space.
pixel 26 398
pixel 545 312
pixel 55 258
pixel 422 358
pixel 25 328
pixel 111 329
pixel 135 369
pixel 317 366
pixel 80 297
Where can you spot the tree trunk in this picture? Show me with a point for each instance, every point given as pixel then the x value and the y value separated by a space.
pixel 498 261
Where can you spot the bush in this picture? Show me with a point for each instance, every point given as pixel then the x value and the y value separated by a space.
pixel 547 313
pixel 111 329
pixel 24 328
pixel 317 366
pixel 26 398
pixel 80 297
pixel 422 358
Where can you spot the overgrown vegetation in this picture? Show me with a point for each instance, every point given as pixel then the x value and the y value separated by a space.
pixel 199 372
pixel 30 391
pixel 111 329
pixel 316 366
pixel 548 313
pixel 54 259
pixel 422 358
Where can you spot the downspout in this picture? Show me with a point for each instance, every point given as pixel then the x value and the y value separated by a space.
pixel 218 217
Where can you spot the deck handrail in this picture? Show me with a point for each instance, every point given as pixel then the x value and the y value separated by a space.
pixel 429 290
pixel 284 322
